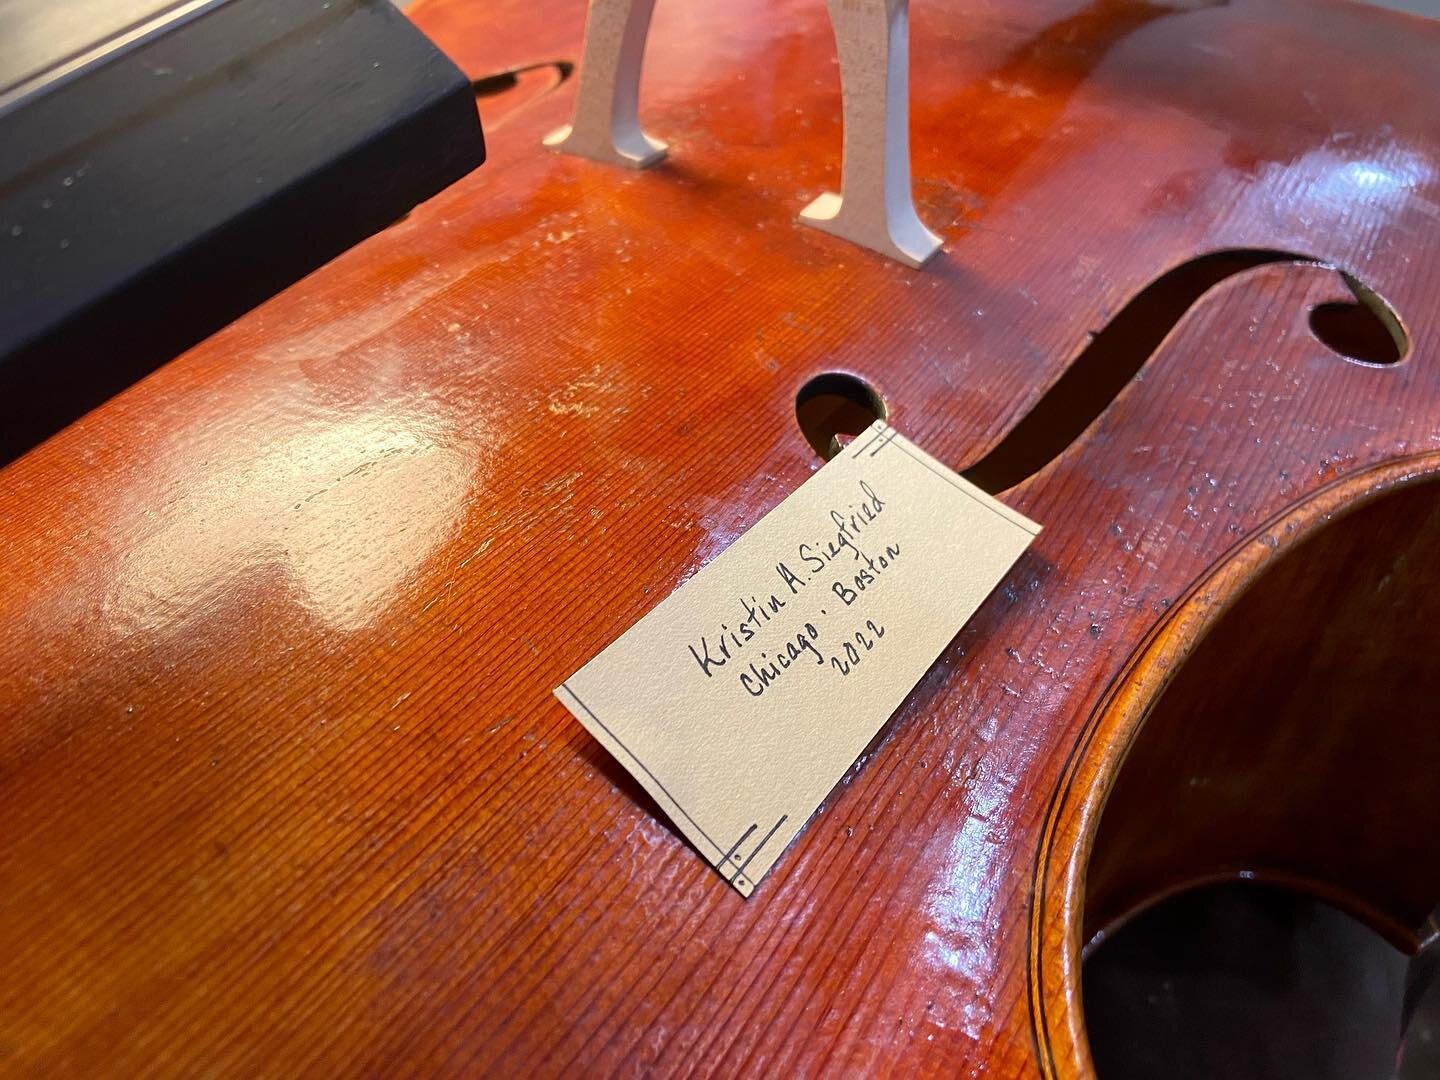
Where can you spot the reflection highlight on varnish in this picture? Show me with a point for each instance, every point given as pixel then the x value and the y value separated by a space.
pixel 1346 179
pixel 964 903
pixel 1385 179
pixel 345 512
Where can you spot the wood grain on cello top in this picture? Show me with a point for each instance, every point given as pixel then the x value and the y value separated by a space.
pixel 282 785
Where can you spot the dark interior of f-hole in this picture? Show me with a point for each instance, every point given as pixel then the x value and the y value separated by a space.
pixel 836 404
pixel 1269 848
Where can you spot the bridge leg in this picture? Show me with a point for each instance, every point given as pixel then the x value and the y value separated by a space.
pixel 606 126
pixel 874 207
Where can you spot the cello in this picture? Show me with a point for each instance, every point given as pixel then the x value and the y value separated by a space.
pixel 283 784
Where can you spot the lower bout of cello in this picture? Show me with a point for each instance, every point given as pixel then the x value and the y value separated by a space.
pixel 1279 729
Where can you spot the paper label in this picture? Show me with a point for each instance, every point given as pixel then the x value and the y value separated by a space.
pixel 743 697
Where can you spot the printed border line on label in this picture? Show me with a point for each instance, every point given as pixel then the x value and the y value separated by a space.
pixel 671 798
pixel 881 429
pixel 994 505
pixel 885 435
pixel 725 860
pixel 738 874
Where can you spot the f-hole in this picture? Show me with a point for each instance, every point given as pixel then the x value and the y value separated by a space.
pixel 1367 331
pixel 836 404
pixel 503 93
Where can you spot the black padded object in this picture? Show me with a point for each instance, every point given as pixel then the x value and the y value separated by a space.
pixel 152 193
